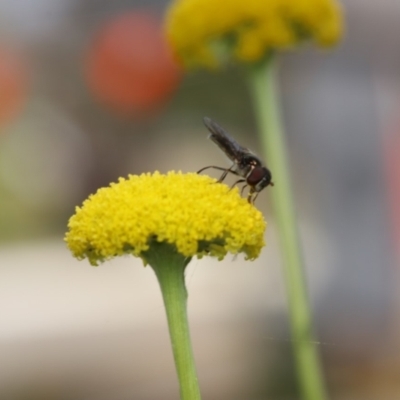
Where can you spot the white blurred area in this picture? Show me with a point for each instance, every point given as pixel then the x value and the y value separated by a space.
pixel 66 325
pixel 73 332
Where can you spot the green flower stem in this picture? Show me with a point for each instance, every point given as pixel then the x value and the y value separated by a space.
pixel 169 266
pixel 264 92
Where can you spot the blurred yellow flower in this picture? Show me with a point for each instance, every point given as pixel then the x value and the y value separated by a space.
pixel 192 212
pixel 205 32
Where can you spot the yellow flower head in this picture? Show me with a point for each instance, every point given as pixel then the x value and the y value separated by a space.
pixel 202 32
pixel 192 212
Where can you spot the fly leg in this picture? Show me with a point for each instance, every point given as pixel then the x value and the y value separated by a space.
pixel 250 198
pixel 224 174
pixel 238 181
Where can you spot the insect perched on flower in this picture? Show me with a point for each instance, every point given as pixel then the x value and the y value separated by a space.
pixel 245 164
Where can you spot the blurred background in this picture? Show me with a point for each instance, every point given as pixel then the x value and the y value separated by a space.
pixel 88 93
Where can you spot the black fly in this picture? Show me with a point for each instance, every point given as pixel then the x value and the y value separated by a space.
pixel 245 164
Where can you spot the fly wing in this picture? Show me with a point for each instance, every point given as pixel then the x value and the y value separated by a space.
pixel 224 141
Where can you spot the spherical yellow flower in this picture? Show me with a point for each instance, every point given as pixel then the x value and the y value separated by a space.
pixel 203 32
pixel 192 212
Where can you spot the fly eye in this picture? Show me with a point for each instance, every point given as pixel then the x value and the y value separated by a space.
pixel 259 178
pixel 256 175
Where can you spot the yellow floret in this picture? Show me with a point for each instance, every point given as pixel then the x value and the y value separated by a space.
pixel 192 212
pixel 250 29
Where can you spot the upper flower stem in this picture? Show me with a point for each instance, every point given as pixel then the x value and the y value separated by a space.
pixel 264 91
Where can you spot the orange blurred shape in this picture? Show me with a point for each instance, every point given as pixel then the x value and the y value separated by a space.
pixel 129 66
pixel 13 84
